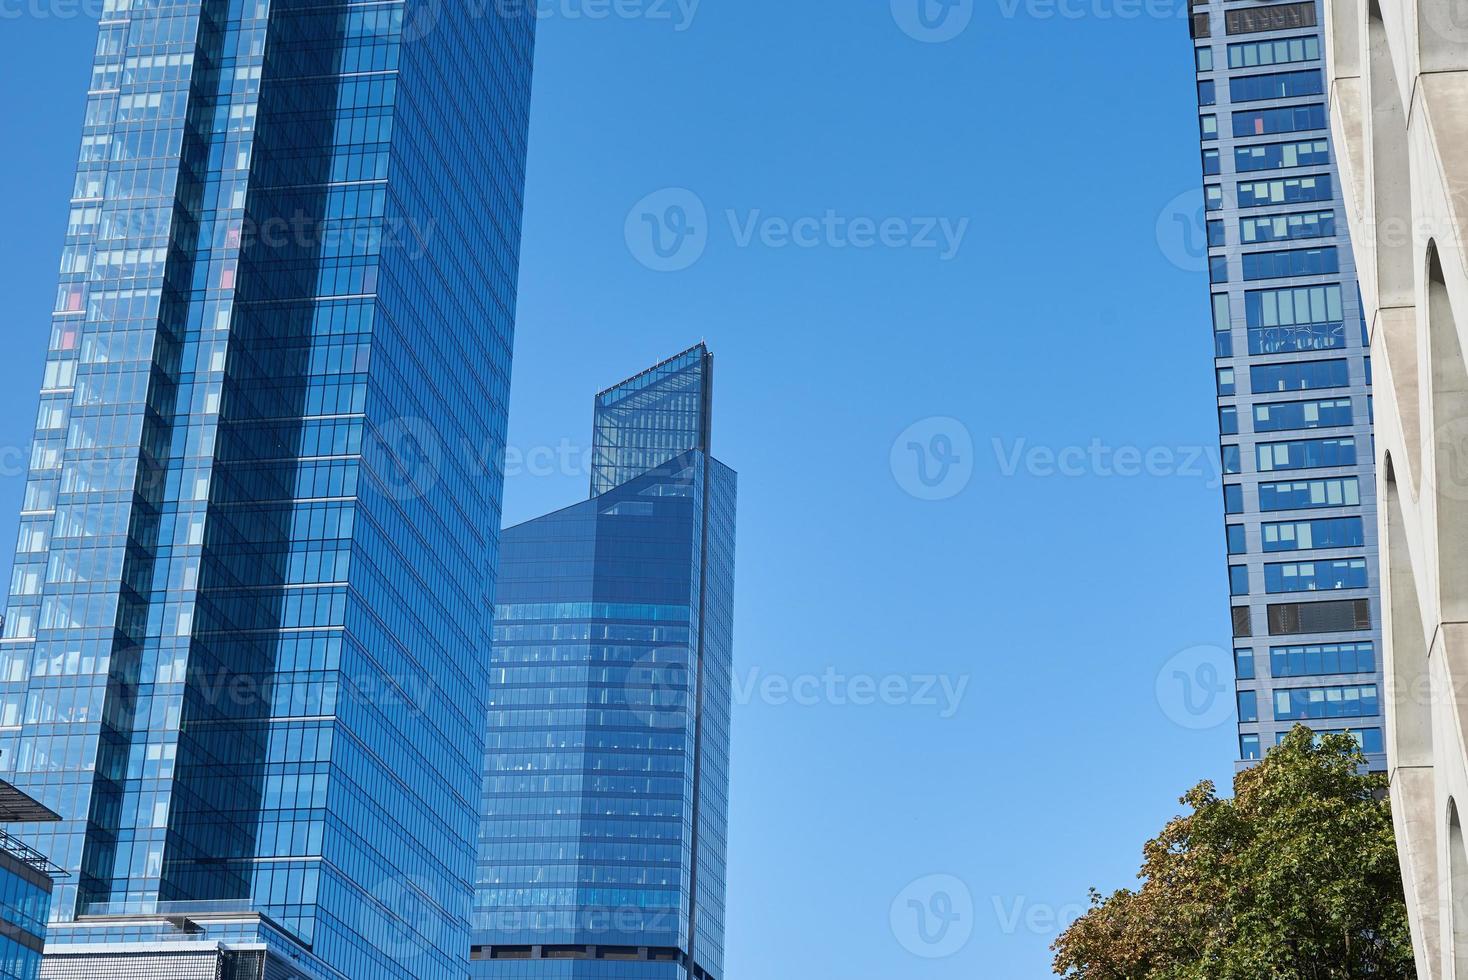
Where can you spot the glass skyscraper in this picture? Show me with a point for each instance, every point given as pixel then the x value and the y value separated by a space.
pixel 602 850
pixel 1293 373
pixel 244 654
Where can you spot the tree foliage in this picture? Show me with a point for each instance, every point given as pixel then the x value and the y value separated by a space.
pixel 1295 878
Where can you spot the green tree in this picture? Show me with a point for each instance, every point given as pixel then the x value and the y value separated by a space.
pixel 1294 878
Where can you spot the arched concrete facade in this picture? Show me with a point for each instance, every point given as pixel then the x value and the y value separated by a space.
pixel 1399 108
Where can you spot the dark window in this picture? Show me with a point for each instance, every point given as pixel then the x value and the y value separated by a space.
pixel 1339 616
pixel 1282 17
pixel 1243 621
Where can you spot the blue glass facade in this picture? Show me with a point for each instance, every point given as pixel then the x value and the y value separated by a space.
pixel 602 850
pixel 244 647
pixel 1293 373
pixel 25 904
pixel 26 883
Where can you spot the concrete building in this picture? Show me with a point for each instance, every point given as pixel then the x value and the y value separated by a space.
pixel 1399 108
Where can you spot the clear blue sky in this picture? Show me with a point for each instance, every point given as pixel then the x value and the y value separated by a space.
pixel 1059 597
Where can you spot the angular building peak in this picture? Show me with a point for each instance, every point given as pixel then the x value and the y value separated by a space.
pixel 652 417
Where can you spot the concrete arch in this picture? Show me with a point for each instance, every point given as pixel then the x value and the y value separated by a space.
pixel 1389 180
pixel 1455 915
pixel 1447 395
pixel 1408 677
pixel 1409 721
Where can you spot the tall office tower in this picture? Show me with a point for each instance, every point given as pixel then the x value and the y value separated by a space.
pixel 607 769
pixel 1294 381
pixel 244 649
pixel 1398 85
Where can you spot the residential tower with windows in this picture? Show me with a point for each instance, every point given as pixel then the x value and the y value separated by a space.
pixel 1293 375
